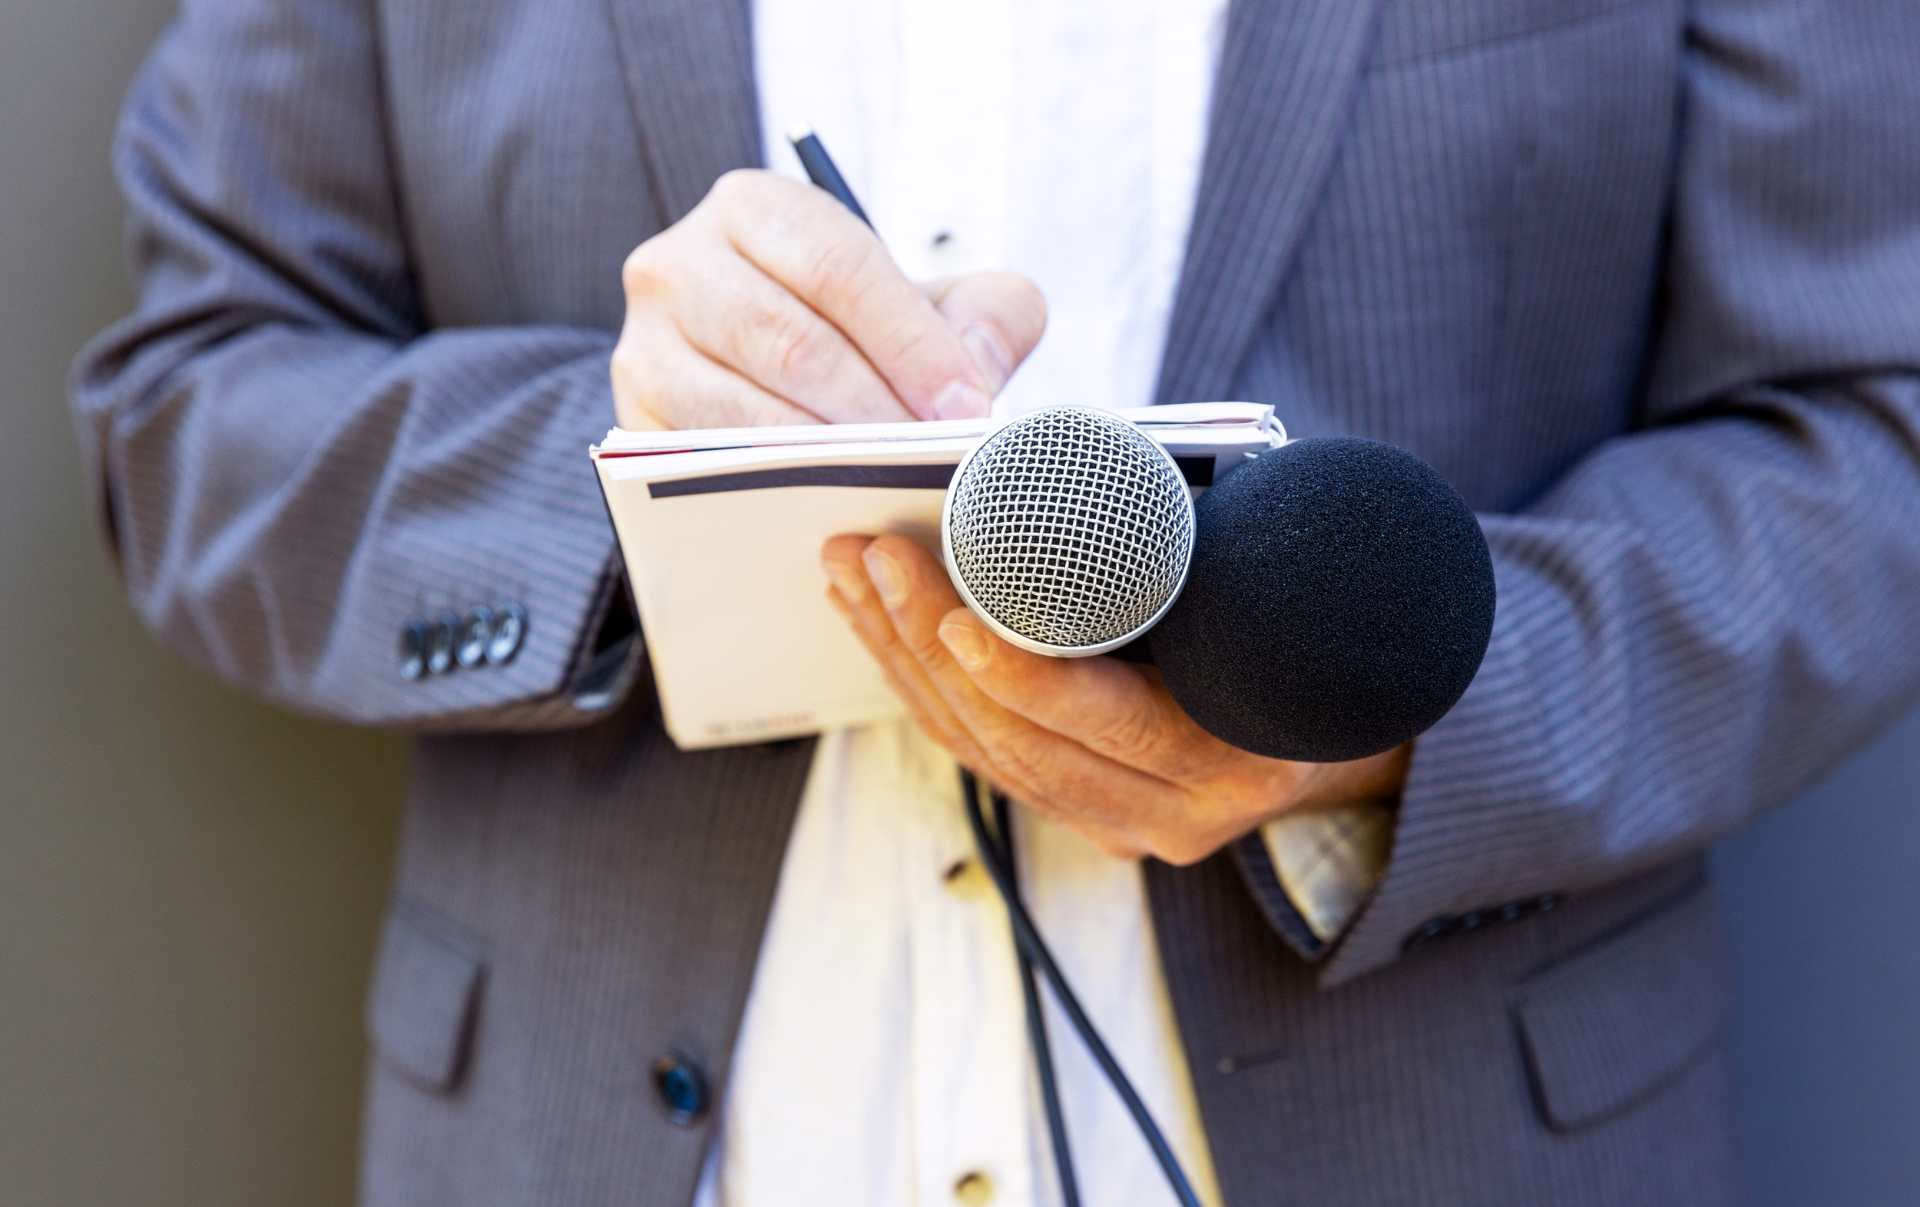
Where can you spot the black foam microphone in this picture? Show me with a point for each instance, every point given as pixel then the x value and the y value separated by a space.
pixel 1339 602
pixel 1327 600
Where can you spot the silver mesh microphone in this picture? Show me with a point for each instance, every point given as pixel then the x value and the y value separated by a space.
pixel 1068 531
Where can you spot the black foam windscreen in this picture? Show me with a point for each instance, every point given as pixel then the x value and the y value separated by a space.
pixel 1339 603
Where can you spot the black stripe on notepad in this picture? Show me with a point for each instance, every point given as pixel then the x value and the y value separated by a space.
pixel 895 477
pixel 1198 471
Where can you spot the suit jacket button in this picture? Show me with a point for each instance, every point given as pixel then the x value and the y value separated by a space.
pixel 509 630
pixel 682 1088
pixel 1431 929
pixel 475 634
pixel 441 636
pixel 413 650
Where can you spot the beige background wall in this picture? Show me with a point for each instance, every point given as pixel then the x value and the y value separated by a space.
pixel 189 881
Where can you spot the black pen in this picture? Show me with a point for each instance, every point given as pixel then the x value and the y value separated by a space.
pixel 819 168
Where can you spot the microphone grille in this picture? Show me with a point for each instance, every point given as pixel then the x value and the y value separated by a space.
pixel 1069 529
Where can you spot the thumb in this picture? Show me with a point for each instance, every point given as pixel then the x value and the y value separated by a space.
pixel 998 316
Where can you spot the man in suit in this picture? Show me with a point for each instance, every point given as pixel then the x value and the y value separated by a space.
pixel 1641 277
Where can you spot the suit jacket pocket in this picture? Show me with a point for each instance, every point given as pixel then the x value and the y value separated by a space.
pixel 1609 1025
pixel 1420 29
pixel 426 986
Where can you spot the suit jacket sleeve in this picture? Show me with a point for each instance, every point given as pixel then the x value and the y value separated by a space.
pixel 1701 617
pixel 292 464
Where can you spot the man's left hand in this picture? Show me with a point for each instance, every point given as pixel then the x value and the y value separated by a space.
pixel 1096 744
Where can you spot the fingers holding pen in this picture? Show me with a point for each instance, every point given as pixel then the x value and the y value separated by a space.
pixel 818 251
pixel 771 303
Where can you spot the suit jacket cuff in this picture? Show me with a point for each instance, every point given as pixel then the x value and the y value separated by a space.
pixel 1255 863
pixel 1311 871
pixel 1474 829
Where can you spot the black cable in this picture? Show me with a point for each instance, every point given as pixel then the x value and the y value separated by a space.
pixel 1027 939
pixel 1036 1019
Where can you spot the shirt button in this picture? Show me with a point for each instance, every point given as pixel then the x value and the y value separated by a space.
pixel 974 1189
pixel 509 630
pixel 965 878
pixel 682 1088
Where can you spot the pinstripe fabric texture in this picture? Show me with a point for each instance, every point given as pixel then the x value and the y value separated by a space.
pixel 1641 278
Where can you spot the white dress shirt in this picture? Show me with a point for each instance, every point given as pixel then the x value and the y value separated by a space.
pixel 883 1056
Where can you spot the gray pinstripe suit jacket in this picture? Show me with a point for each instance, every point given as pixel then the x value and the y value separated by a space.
pixel 1642 277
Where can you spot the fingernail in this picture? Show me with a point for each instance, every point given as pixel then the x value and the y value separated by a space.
pixel 852 586
pixel 887 578
pixel 990 354
pixel 964 642
pixel 961 400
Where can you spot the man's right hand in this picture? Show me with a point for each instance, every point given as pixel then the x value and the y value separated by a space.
pixel 771 303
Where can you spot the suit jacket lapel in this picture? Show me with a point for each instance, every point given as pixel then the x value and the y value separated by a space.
pixel 1287 77
pixel 689 70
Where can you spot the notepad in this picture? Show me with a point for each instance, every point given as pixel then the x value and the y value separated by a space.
pixel 721 530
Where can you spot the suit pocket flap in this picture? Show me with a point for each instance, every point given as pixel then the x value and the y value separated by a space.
pixel 424 988
pixel 1610 1024
pixel 1417 29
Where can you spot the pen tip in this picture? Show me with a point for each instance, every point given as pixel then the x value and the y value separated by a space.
pixel 799 134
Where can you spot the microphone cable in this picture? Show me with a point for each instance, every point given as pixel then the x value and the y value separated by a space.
pixel 1034 954
pixel 1030 994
